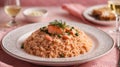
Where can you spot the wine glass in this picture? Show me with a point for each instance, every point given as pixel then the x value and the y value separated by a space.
pixel 114 5
pixel 12 8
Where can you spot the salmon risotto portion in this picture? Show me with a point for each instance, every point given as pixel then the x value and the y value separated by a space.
pixel 57 40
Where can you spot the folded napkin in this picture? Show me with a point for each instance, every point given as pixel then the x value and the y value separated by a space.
pixel 75 10
pixel 4 65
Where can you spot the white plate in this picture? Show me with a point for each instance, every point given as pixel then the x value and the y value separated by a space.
pixel 88 12
pixel 11 43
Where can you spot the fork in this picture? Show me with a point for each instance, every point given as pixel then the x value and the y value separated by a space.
pixel 118 46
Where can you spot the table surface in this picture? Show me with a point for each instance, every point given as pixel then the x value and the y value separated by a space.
pixel 53 13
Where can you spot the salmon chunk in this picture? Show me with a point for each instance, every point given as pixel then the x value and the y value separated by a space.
pixel 66 37
pixel 48 37
pixel 54 29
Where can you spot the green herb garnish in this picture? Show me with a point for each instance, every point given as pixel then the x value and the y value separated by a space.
pixel 76 34
pixel 68 33
pixel 45 30
pixel 62 55
pixel 71 28
pixel 22 46
pixel 60 24
pixel 41 29
pixel 59 35
pixel 44 27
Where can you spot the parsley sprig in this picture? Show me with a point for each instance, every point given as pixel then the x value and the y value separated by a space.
pixel 60 24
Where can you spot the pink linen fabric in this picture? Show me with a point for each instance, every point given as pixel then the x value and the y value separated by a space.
pixel 4 65
pixel 108 60
pixel 75 10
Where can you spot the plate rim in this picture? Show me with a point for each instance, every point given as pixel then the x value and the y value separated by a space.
pixel 93 20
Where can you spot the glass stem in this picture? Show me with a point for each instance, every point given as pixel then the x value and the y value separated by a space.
pixel 117 23
pixel 13 20
pixel 118 36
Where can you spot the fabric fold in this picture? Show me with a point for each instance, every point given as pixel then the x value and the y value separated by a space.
pixel 75 10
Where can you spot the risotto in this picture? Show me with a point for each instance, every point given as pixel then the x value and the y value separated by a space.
pixel 57 40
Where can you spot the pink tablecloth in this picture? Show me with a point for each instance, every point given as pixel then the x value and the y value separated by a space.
pixel 109 60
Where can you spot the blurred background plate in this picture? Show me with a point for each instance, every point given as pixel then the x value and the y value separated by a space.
pixel 88 12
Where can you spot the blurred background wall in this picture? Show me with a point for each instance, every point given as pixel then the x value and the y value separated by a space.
pixel 55 2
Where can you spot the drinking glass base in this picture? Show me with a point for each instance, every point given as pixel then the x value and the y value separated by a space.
pixel 11 24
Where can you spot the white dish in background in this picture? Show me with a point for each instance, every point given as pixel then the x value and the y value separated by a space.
pixel 88 12
pixel 11 44
pixel 35 14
